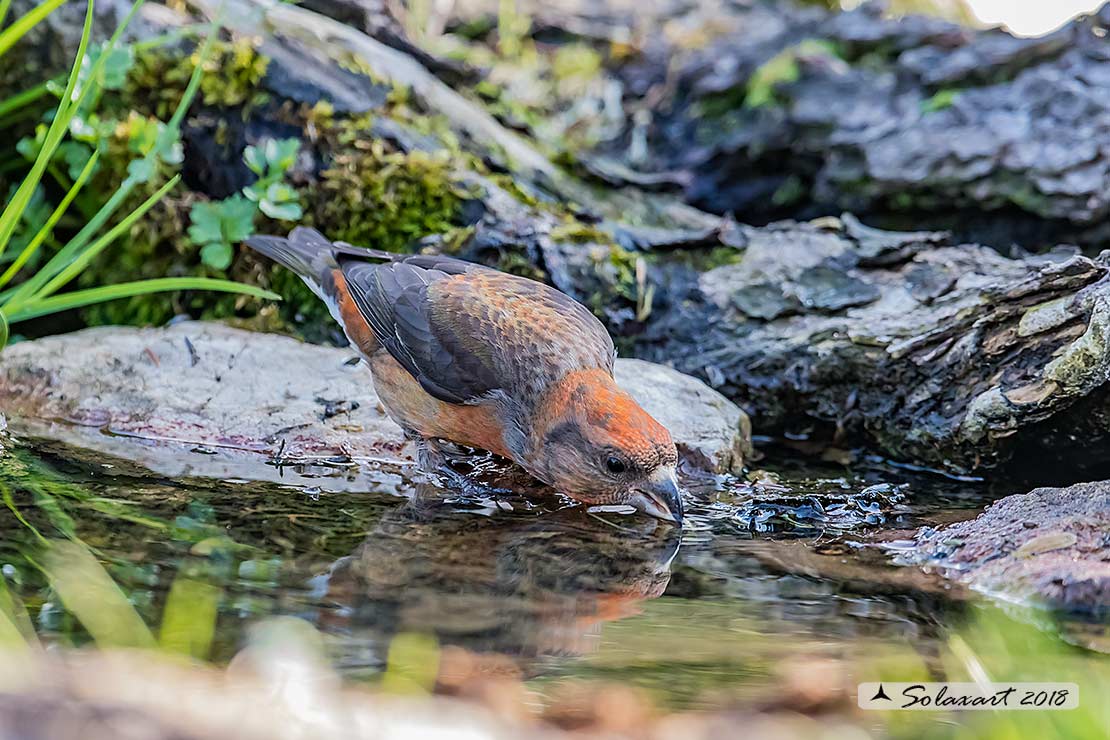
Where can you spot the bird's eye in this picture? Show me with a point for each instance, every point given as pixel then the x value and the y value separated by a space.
pixel 615 465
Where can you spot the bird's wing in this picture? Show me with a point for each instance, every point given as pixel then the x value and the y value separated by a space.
pixel 465 331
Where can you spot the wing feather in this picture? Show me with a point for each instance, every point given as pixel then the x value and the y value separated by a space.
pixel 465 331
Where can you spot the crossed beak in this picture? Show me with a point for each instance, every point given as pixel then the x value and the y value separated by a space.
pixel 659 496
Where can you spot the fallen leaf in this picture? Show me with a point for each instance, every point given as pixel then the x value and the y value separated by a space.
pixel 1045 543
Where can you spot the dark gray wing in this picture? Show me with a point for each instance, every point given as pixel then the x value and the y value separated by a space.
pixel 394 299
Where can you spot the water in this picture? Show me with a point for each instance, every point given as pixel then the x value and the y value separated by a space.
pixel 788 568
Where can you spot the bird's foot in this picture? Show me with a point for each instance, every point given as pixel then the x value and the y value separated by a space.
pixel 434 461
pixel 467 486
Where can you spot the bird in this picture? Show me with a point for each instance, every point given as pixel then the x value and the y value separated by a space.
pixel 466 354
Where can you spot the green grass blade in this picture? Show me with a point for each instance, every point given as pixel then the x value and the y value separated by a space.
pixel 5 6
pixel 68 253
pixel 90 594
pixel 189 617
pixel 74 268
pixel 11 639
pixel 47 228
pixel 67 108
pixel 174 123
pixel 81 298
pixel 12 607
pixel 20 99
pixel 25 23
pixel 14 210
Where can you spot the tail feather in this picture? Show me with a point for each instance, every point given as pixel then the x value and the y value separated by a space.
pixel 308 253
pixel 305 251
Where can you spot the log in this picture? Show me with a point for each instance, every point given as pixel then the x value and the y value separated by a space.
pixel 911 122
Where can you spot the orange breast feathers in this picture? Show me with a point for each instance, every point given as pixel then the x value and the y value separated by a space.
pixel 412 407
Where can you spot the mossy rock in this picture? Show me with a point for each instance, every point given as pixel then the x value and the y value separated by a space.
pixel 371 196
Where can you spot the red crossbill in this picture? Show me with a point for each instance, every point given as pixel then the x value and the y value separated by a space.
pixel 471 355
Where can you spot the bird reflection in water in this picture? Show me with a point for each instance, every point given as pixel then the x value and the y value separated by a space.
pixel 519 584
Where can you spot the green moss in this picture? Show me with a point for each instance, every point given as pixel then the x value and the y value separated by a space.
pixel 517 263
pixel 783 68
pixel 574 62
pixel 791 191
pixel 157 246
pixel 625 264
pixel 943 98
pixel 574 230
pixel 761 88
pixel 385 199
pixel 158 77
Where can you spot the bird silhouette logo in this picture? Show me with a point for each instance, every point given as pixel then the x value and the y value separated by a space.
pixel 880 694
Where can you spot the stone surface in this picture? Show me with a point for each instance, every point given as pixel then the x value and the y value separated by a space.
pixel 1049 547
pixel 930 351
pixel 205 399
pixel 711 432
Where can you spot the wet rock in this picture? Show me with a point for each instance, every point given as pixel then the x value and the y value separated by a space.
pixel 934 352
pixel 209 400
pixel 1049 547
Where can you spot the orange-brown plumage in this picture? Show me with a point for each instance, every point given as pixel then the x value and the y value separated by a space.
pixel 464 353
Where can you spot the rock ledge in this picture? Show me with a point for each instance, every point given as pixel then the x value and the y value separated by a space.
pixel 234 398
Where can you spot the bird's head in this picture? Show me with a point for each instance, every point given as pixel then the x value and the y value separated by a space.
pixel 594 443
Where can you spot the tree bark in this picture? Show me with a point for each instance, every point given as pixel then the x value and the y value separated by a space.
pixel 910 122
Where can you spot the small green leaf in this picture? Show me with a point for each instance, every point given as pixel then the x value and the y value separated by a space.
pixel 112 71
pixel 29 146
pixel 238 218
pixel 255 161
pixel 226 221
pixel 281 211
pixel 216 255
pixel 76 155
pixel 285 154
pixel 142 134
pixel 174 155
pixel 279 192
pixel 167 144
pixel 944 98
pixel 141 170
pixel 205 226
pixel 85 129
pixel 116 66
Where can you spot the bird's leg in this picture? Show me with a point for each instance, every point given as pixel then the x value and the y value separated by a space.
pixel 432 459
pixel 429 454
